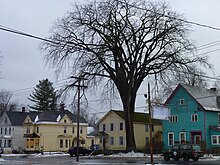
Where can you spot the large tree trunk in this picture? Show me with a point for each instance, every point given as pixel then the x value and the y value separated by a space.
pixel 129 115
pixel 128 100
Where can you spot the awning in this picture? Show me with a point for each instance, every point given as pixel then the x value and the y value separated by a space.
pixel 216 128
pixel 65 136
pixel 102 134
pixel 33 135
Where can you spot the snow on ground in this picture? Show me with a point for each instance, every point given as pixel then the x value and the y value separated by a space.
pixel 2 160
pixel 119 155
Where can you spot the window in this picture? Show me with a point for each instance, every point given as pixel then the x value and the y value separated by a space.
pixel 6 120
pixel 147 128
pixel 218 118
pixel 9 143
pixel 64 131
pixel 83 142
pixel 81 130
pixel 9 131
pixel 173 119
pixel 61 143
pixel 66 143
pixel 170 139
pixel 112 127
pixel 147 140
pixel 1 131
pixel 6 131
pixel 194 117
pixel 181 101
pixel 152 128
pixel 64 120
pixel 37 129
pixel 73 130
pixel 121 126
pixel 214 139
pixel 103 128
pixel 111 140
pixel 182 137
pixel 5 142
pixel 121 140
pixel 28 129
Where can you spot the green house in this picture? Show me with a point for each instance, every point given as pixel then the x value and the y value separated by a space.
pixel 194 118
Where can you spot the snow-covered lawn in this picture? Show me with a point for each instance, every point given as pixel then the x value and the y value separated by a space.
pixel 119 155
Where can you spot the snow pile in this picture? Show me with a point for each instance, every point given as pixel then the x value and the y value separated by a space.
pixel 210 156
pixel 2 160
pixel 129 154
pixel 50 154
pixel 133 154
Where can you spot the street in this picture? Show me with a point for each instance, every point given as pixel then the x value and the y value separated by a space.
pixel 57 160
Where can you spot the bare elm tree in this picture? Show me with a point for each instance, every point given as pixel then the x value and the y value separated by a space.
pixel 120 43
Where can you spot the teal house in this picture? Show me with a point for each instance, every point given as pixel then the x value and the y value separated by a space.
pixel 194 118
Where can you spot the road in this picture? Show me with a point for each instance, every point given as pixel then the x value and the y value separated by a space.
pixel 66 160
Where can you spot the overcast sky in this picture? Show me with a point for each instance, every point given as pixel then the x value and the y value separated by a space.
pixel 23 65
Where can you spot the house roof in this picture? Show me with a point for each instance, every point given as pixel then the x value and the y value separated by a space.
pixel 51 116
pixel 207 98
pixel 138 117
pixel 16 118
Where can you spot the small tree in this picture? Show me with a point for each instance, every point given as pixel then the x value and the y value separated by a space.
pixel 6 103
pixel 44 96
pixel 194 77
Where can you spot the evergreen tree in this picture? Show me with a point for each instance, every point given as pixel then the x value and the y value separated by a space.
pixel 44 96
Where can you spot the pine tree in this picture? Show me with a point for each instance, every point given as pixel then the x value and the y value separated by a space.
pixel 44 96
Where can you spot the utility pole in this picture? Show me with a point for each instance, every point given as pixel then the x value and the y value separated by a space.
pixel 79 79
pixel 150 124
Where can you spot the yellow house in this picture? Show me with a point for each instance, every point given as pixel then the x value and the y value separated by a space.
pixel 112 128
pixel 53 131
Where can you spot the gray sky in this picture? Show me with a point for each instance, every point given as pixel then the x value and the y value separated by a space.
pixel 23 65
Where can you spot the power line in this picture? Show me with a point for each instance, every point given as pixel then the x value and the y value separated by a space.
pixel 168 16
pixel 25 34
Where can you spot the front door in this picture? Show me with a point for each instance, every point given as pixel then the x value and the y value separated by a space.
pixel 197 139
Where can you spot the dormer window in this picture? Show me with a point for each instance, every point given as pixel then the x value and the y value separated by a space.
pixel 181 101
pixel 64 120
pixel 6 120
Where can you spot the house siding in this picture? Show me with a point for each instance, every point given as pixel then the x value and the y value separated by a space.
pixel 184 113
pixel 116 133
pixel 196 131
pixel 140 133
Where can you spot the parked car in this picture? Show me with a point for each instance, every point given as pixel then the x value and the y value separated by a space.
pixel 183 151
pixel 82 151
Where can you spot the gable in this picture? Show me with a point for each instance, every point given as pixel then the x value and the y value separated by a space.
pixel 27 120
pixel 107 116
pixel 65 119
pixel 16 118
pixel 205 99
pixel 4 119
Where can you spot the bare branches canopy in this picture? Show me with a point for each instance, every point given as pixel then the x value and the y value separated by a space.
pixel 122 41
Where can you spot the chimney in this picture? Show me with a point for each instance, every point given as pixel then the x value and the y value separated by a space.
pixel 23 109
pixel 62 107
